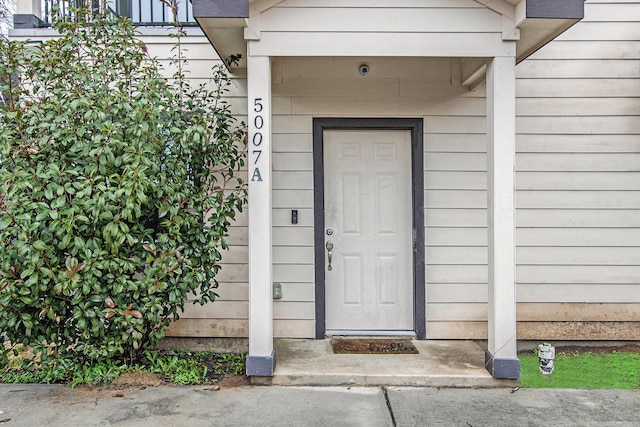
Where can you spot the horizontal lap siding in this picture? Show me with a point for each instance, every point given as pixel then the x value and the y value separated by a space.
pixel 455 209
pixel 578 180
pixel 227 317
pixel 379 20
pixel 293 251
pixel 379 3
pixel 304 88
pixel 435 27
pixel 454 126
pixel 454 158
pixel 578 183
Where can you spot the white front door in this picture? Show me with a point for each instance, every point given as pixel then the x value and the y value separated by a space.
pixel 368 227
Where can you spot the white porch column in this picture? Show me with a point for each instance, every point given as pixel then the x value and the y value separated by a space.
pixel 261 359
pixel 501 357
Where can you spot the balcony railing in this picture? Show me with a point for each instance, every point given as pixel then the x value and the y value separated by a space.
pixel 141 12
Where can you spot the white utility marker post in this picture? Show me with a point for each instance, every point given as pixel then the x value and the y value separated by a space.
pixel 501 358
pixel 261 359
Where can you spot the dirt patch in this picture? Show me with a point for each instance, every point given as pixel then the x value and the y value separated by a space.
pixel 137 379
pixel 231 381
pixel 373 346
pixel 129 382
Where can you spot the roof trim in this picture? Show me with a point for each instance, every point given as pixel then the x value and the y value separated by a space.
pixel 554 9
pixel 221 8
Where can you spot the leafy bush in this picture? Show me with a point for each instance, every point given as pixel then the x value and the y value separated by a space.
pixel 117 188
pixel 183 367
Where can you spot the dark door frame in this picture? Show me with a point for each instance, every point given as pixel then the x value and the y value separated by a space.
pixel 417 190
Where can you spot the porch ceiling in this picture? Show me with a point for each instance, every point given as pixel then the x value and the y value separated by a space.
pixel 231 24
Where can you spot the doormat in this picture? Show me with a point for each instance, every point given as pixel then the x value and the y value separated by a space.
pixel 373 346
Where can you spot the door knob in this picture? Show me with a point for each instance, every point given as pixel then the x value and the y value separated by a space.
pixel 329 247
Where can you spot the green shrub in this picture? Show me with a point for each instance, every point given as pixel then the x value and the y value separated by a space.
pixel 117 188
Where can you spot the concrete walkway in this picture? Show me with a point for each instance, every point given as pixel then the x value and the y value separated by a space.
pixel 439 363
pixel 52 405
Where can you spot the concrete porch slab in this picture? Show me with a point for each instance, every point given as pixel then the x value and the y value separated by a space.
pixel 439 364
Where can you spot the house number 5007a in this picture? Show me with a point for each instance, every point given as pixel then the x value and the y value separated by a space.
pixel 256 140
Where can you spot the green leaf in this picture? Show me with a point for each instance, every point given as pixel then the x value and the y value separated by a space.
pixel 5 221
pixel 64 242
pixel 40 245
pixel 48 193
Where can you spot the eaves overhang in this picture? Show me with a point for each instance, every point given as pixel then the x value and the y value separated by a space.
pixel 223 22
pixel 530 23
pixel 535 23
pixel 543 21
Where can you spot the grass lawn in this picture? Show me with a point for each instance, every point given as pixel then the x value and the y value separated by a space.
pixel 613 370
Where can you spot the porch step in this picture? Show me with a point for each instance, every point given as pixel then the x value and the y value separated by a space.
pixel 438 364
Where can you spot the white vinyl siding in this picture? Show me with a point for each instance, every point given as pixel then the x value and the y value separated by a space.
pixel 578 189
pixel 578 181
pixel 454 157
pixel 379 28
pixel 577 163
pixel 308 87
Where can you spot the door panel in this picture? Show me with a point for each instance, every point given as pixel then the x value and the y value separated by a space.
pixel 368 220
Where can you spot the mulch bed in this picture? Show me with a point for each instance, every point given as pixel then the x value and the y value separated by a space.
pixel 373 346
